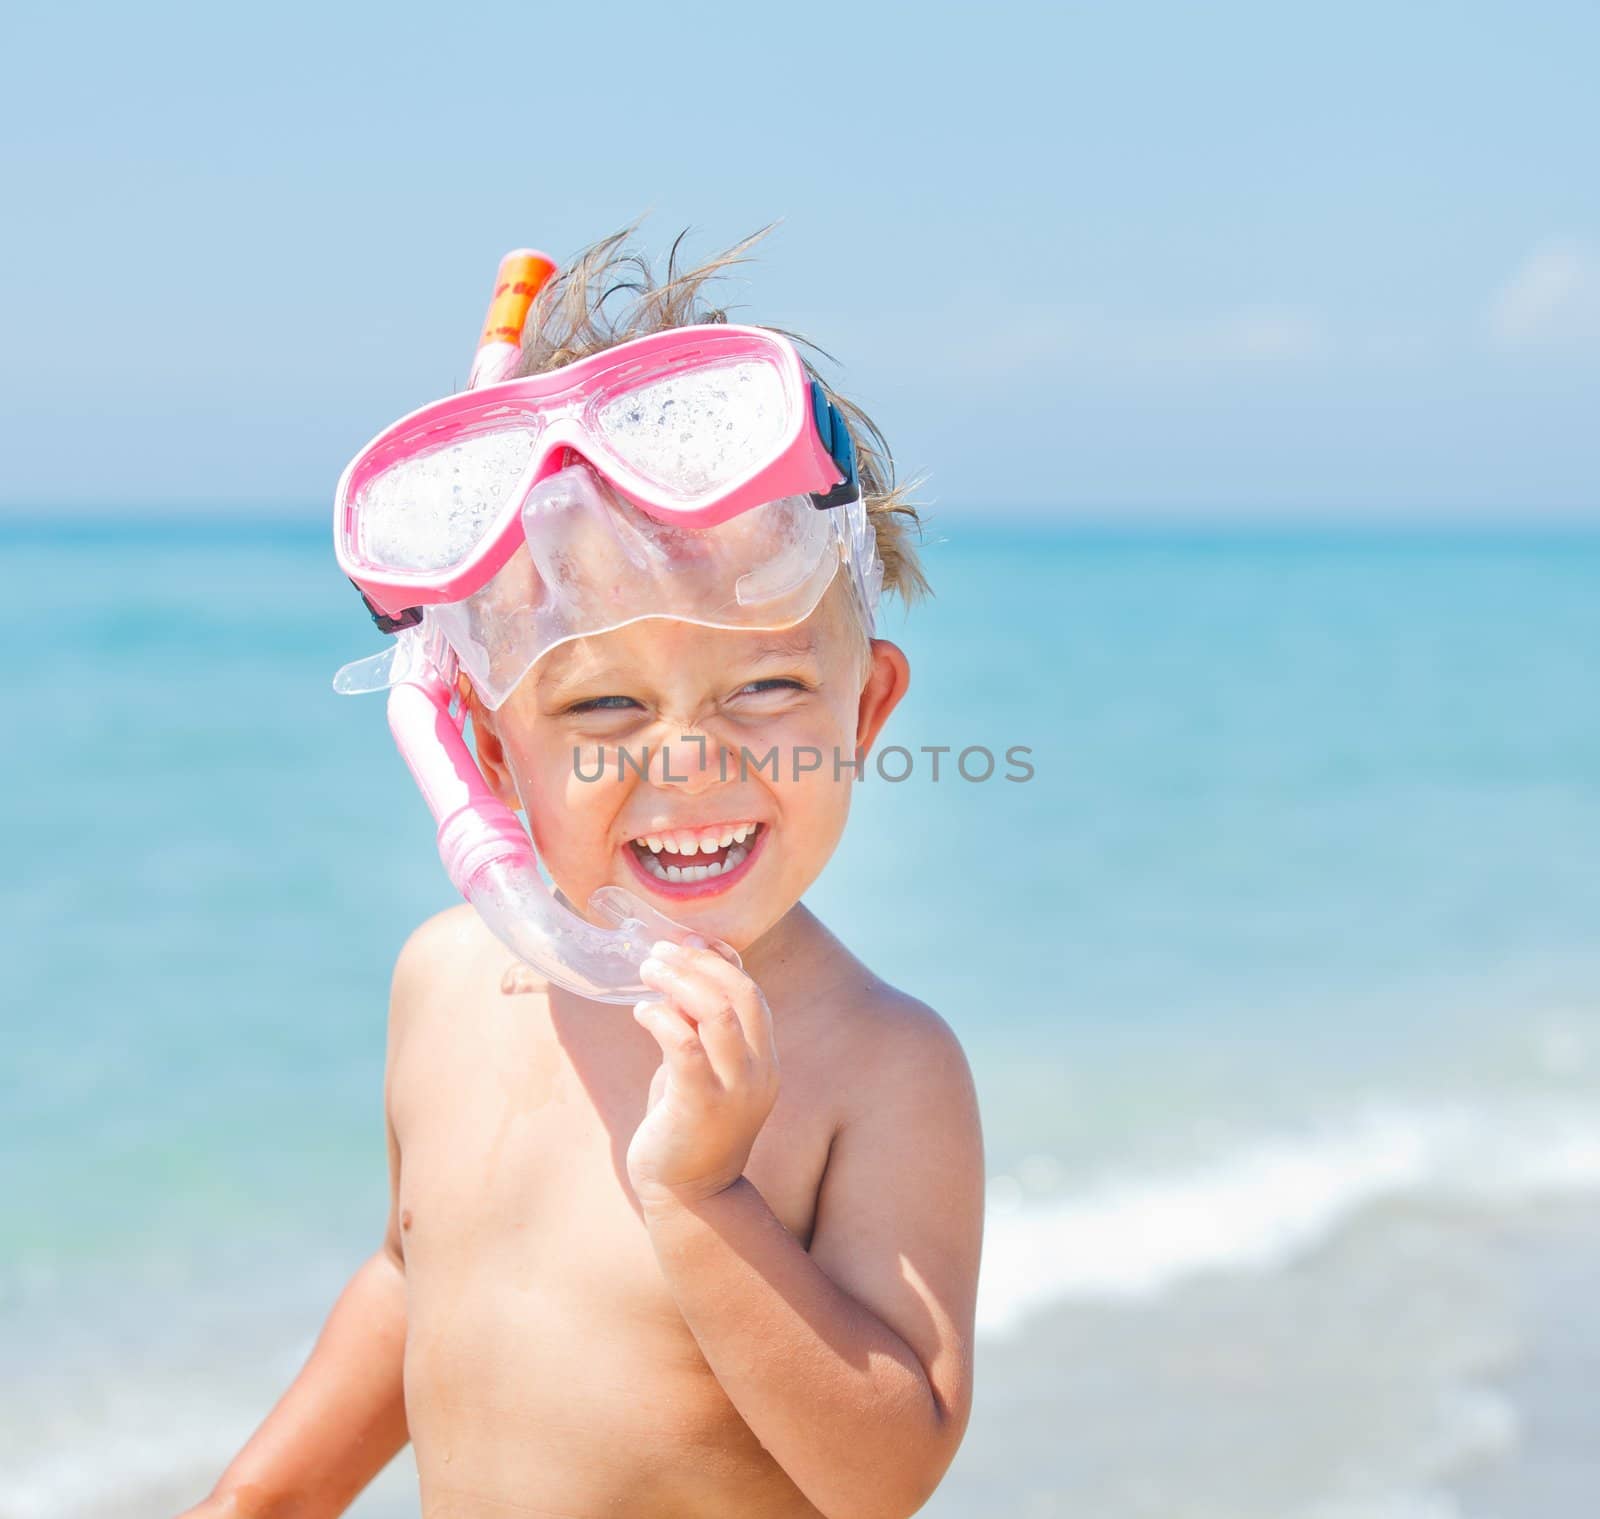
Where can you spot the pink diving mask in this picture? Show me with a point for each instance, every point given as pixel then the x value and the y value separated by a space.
pixel 691 427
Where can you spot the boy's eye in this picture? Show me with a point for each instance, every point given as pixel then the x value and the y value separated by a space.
pixel 778 683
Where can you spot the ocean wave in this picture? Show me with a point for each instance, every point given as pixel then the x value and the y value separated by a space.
pixel 1268 1203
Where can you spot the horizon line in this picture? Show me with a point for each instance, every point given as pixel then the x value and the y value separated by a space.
pixel 285 520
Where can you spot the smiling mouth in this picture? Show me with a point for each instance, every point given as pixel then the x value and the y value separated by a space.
pixel 683 857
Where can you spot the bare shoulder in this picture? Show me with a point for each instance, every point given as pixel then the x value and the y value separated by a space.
pixel 436 957
pixel 894 1045
pixel 436 947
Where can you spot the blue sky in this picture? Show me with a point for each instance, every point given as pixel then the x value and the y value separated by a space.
pixel 1175 259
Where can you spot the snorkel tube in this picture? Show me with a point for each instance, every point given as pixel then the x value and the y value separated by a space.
pixel 523 273
pixel 484 848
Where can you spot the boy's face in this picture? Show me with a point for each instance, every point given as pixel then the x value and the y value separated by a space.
pixel 735 734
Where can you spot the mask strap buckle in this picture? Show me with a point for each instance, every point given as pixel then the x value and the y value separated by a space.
pixel 841 447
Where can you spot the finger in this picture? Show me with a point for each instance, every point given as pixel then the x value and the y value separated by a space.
pixel 681 1048
pixel 714 1005
pixel 716 946
pixel 521 979
pixel 732 984
pixel 716 1020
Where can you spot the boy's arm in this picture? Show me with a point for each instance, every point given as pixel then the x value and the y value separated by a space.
pixel 852 1362
pixel 343 1418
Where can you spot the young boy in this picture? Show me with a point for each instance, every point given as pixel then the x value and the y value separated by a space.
pixel 718 1258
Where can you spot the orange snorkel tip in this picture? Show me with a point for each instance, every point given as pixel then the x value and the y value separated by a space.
pixel 523 273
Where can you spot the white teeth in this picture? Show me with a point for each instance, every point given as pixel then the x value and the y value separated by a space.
pixel 685 873
pixel 682 844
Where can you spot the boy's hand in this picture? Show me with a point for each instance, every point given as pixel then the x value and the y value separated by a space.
pixel 717 1081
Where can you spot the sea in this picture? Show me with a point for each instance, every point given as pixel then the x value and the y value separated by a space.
pixel 1273 937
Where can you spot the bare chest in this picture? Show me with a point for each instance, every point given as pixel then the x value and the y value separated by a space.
pixel 513 1127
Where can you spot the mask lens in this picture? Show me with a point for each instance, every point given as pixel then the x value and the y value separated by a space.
pixel 701 430
pixel 429 511
pixel 590 562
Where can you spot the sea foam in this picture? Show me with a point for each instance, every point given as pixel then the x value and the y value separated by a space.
pixel 1268 1203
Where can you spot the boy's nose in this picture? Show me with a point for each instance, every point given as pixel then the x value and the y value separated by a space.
pixel 687 761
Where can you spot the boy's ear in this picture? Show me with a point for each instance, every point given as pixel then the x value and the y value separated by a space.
pixel 491 752
pixel 888 679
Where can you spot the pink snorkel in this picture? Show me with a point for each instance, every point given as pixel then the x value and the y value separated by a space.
pixel 484 848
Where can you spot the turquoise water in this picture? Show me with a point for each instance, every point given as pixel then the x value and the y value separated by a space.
pixel 1306 876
